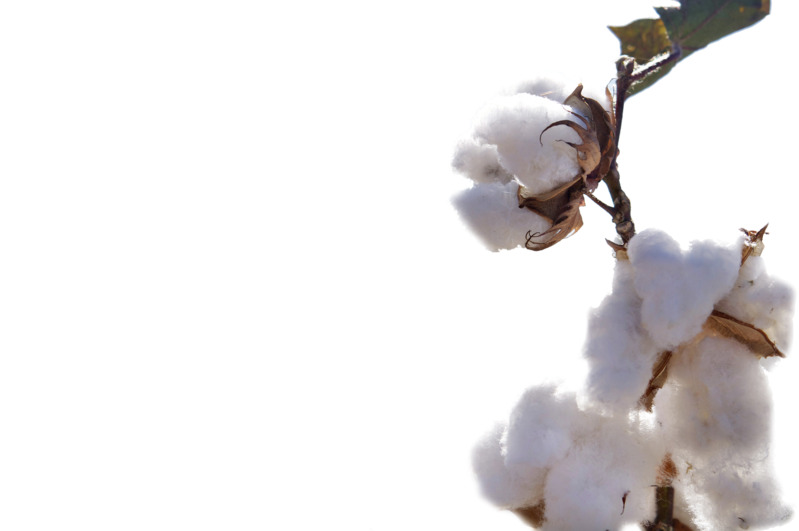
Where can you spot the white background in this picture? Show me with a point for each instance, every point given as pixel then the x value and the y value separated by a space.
pixel 233 292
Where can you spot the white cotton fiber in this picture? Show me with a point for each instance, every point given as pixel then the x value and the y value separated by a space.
pixel 715 416
pixel 491 210
pixel 514 124
pixel 551 87
pixel 619 351
pixel 541 428
pixel 558 88
pixel 679 289
pixel 728 495
pixel 512 463
pixel 479 162
pixel 586 489
pixel 503 486
pixel 716 402
pixel 762 301
pixel 584 465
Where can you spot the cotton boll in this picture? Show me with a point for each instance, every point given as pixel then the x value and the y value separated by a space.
pixel 514 124
pixel 491 210
pixel 504 486
pixel 479 162
pixel 585 489
pixel 716 402
pixel 679 289
pixel 618 349
pixel 762 301
pixel 715 413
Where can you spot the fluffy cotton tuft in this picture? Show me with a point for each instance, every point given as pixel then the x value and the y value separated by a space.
pixel 762 301
pixel 541 428
pixel 480 162
pixel 492 211
pixel 514 125
pixel 610 468
pixel 619 351
pixel 558 88
pixel 554 88
pixel 679 289
pixel 580 462
pixel 716 403
pixel 512 461
pixel 504 486
pixel 714 414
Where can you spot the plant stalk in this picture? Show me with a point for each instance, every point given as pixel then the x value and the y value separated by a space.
pixel 626 75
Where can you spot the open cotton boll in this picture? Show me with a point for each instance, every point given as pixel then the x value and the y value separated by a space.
pixel 716 402
pixel 763 301
pixel 585 490
pixel 479 162
pixel 715 418
pixel 514 124
pixel 619 351
pixel 491 210
pixel 504 486
pixel 679 288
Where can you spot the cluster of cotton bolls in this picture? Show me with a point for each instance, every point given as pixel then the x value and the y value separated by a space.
pixel 507 150
pixel 589 460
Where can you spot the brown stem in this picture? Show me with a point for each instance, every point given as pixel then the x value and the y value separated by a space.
pixel 622 217
pixel 626 75
pixel 664 502
pixel 621 203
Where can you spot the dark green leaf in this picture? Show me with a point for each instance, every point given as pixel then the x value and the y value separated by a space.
pixel 697 23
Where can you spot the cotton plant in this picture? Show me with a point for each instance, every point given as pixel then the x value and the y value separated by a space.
pixel 671 427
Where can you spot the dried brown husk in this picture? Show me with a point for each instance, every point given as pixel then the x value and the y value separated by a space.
pixel 721 324
pixel 561 207
pixel 753 244
pixel 533 516
pixel 660 372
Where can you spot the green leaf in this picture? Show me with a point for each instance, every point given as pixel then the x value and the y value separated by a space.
pixel 643 39
pixel 687 28
pixel 697 23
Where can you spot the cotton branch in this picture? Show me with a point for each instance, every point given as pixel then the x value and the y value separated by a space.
pixel 627 75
